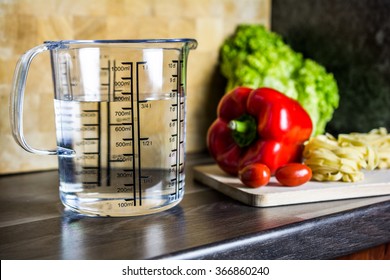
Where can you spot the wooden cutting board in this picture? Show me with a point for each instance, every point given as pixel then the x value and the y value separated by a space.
pixel 375 183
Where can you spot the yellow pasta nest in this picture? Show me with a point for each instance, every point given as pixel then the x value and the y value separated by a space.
pixel 343 159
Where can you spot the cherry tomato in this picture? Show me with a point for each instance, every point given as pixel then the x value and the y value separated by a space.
pixel 293 174
pixel 254 175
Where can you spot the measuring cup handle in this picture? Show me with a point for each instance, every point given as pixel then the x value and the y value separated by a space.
pixel 17 98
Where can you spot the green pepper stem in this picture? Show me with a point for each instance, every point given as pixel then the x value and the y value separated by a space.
pixel 244 130
pixel 239 126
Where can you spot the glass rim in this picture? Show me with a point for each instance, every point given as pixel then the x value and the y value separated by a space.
pixel 192 43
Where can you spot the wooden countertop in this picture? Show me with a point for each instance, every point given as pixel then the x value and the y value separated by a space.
pixel 205 225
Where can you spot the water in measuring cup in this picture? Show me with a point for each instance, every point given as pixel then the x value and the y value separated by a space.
pixel 121 158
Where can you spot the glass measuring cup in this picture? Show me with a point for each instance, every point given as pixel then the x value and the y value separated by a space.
pixel 120 111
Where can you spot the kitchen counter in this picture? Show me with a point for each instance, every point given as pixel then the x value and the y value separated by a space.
pixel 205 225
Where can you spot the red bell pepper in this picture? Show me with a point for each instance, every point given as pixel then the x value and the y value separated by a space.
pixel 258 126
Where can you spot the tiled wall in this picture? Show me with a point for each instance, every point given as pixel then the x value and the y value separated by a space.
pixel 27 23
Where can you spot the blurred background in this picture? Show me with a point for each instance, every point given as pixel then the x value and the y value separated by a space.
pixel 27 23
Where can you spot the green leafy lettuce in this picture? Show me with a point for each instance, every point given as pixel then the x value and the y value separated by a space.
pixel 256 57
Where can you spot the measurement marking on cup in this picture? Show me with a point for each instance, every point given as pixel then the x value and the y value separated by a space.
pixel 108 177
pixel 91 182
pixel 122 113
pixel 129 202
pixel 131 109
pixel 178 127
pixel 121 124
pixel 99 144
pixel 139 102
